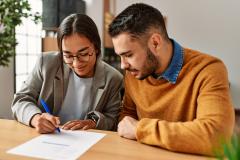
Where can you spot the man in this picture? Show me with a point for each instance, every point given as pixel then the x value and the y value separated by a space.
pixel 175 98
pixel 81 90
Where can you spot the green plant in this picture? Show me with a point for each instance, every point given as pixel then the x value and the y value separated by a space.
pixel 231 150
pixel 11 14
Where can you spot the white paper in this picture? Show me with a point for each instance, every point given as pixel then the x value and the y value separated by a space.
pixel 66 145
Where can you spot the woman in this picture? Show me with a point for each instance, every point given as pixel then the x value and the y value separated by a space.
pixel 81 90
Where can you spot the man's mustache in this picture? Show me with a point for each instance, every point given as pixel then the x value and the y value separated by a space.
pixel 131 70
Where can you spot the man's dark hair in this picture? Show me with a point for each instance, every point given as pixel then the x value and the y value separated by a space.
pixel 137 19
pixel 82 25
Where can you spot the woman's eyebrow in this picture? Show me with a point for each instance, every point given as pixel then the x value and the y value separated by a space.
pixel 65 51
pixel 83 49
pixel 80 50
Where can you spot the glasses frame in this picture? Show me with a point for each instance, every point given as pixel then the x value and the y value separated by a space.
pixel 78 56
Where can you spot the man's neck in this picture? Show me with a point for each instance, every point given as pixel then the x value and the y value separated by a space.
pixel 165 56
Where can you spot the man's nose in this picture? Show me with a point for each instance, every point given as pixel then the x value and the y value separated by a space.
pixel 124 63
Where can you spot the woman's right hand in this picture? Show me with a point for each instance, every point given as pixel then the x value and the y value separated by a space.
pixel 45 123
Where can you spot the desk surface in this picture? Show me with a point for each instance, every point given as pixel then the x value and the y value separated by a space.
pixel 110 147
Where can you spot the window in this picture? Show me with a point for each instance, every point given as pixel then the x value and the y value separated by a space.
pixel 28 36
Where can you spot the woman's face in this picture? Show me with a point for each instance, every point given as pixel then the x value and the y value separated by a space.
pixel 79 54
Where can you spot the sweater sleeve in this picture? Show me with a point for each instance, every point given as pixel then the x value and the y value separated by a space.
pixel 213 123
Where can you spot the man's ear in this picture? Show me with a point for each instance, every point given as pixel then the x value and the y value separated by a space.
pixel 155 42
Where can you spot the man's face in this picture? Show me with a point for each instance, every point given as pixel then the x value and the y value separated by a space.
pixel 135 58
pixel 79 54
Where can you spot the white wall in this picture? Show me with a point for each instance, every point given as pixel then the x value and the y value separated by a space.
pixel 209 26
pixel 6 91
pixel 94 9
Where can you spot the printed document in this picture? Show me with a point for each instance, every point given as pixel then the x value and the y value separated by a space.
pixel 66 145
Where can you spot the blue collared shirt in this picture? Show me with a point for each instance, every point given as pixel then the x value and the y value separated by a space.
pixel 175 66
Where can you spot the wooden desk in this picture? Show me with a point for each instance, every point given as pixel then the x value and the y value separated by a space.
pixel 111 147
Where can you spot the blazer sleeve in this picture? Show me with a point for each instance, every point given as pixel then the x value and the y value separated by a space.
pixel 24 105
pixel 108 116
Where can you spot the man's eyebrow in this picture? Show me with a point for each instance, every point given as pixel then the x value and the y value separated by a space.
pixel 123 53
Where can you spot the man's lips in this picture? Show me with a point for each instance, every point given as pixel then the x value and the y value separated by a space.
pixel 134 72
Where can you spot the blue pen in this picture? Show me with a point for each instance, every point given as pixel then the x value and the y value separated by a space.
pixel 47 109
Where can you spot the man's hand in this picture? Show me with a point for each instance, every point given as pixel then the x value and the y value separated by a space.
pixel 45 123
pixel 79 124
pixel 127 127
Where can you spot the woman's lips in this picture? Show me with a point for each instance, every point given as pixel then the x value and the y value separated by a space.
pixel 80 68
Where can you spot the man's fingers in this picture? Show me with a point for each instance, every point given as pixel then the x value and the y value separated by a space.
pixel 127 128
pixel 119 129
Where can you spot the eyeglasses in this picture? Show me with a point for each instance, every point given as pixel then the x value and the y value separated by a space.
pixel 82 56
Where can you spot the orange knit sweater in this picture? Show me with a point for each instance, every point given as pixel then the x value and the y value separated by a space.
pixel 190 116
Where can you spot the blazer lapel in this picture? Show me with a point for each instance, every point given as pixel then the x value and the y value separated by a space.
pixel 60 87
pixel 98 83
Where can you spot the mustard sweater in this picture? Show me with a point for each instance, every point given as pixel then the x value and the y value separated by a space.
pixel 190 116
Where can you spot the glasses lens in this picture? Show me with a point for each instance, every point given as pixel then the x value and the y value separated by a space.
pixel 82 57
pixel 68 59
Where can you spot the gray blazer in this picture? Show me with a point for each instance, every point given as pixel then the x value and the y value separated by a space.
pixel 49 81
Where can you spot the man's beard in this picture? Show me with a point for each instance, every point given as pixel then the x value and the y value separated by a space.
pixel 150 66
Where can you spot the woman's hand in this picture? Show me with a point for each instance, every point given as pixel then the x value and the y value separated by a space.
pixel 45 123
pixel 79 124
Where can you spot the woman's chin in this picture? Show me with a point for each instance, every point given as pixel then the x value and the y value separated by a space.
pixel 82 73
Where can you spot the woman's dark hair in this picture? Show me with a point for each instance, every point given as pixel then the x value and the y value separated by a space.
pixel 82 25
pixel 136 20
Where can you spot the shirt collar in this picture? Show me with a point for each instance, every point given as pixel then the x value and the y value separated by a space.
pixel 175 66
